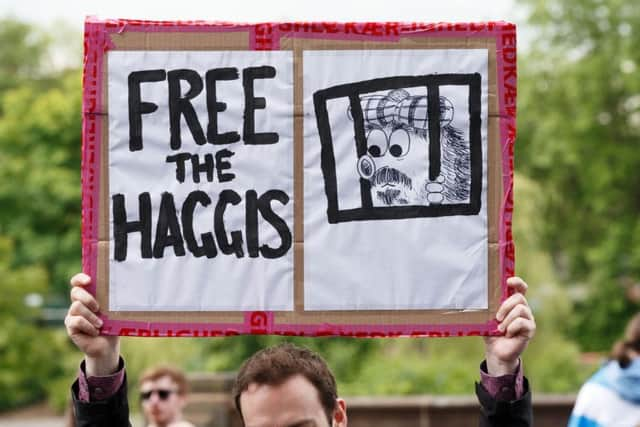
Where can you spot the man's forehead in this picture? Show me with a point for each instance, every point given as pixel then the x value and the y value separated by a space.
pixel 303 423
pixel 164 381
pixel 293 403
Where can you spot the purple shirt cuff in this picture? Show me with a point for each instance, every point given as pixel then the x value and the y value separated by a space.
pixel 91 389
pixel 505 387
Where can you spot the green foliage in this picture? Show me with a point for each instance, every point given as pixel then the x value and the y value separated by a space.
pixel 551 361
pixel 26 365
pixel 579 126
pixel 22 50
pixel 40 178
pixel 39 211
pixel 419 366
pixel 346 357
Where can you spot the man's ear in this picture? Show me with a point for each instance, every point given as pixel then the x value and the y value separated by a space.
pixel 340 414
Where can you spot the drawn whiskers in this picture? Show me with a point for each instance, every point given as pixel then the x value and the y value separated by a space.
pixel 387 175
pixel 390 197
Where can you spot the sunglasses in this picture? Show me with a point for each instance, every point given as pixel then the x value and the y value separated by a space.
pixel 162 394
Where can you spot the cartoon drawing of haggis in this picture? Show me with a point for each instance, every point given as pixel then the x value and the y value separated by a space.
pixel 397 160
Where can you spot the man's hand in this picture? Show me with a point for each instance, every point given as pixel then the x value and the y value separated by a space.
pixel 83 327
pixel 519 326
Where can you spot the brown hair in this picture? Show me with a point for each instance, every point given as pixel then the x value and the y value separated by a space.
pixel 274 365
pixel 176 375
pixel 631 342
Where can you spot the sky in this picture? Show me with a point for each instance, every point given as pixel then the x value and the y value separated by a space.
pixel 69 15
pixel 74 11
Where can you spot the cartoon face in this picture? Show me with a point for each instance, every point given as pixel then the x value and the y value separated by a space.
pixel 397 160
pixel 394 163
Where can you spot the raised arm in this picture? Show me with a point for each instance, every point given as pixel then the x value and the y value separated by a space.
pixel 504 392
pixel 516 321
pixel 101 353
pixel 100 392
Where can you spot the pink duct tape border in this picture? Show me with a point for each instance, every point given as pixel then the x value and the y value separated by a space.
pixel 507 84
pixel 262 322
pixel 94 48
pixel 266 36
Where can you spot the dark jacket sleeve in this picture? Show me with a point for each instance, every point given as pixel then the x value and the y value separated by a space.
pixel 112 412
pixel 494 413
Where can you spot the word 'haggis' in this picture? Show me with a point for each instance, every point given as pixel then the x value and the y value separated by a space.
pixel 174 225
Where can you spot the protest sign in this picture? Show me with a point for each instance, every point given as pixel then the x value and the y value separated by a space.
pixel 298 178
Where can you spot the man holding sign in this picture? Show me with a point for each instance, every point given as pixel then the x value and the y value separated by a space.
pixel 275 387
pixel 235 183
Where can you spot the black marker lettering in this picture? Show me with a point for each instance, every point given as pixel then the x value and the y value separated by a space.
pixel 168 230
pixel 251 218
pixel 264 206
pixel 208 246
pixel 227 197
pixel 206 167
pixel 252 103
pixel 179 106
pixel 136 107
pixel 214 107
pixel 223 165
pixel 122 227
pixel 180 160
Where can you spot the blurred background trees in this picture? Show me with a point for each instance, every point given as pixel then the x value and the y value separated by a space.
pixel 579 130
pixel 39 208
pixel 577 201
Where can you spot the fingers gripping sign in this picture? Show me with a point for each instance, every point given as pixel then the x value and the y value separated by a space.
pixel 518 325
pixel 83 327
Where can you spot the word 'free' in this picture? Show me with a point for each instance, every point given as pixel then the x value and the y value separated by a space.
pixel 180 105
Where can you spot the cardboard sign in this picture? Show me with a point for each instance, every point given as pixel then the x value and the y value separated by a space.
pixel 298 178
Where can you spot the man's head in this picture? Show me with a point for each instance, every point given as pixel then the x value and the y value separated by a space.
pixel 163 393
pixel 288 386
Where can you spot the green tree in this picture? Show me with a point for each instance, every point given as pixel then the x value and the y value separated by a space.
pixel 347 357
pixel 22 51
pixel 40 176
pixel 579 126
pixel 39 209
pixel 26 365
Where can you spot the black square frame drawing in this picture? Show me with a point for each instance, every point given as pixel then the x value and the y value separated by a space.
pixel 432 82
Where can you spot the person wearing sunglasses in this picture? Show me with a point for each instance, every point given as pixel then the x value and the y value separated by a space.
pixel 285 385
pixel 163 392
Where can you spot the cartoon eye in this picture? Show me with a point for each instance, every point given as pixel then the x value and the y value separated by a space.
pixel 399 143
pixel 377 143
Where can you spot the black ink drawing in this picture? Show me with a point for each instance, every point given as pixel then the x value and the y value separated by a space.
pixel 396 127
pixel 412 160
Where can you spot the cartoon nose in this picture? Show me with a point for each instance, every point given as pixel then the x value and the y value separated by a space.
pixel 366 166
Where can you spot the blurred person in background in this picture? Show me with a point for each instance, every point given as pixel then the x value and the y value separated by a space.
pixel 163 395
pixel 611 397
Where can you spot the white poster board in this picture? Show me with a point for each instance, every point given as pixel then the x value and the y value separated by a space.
pixel 298 178
pixel 169 275
pixel 395 261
